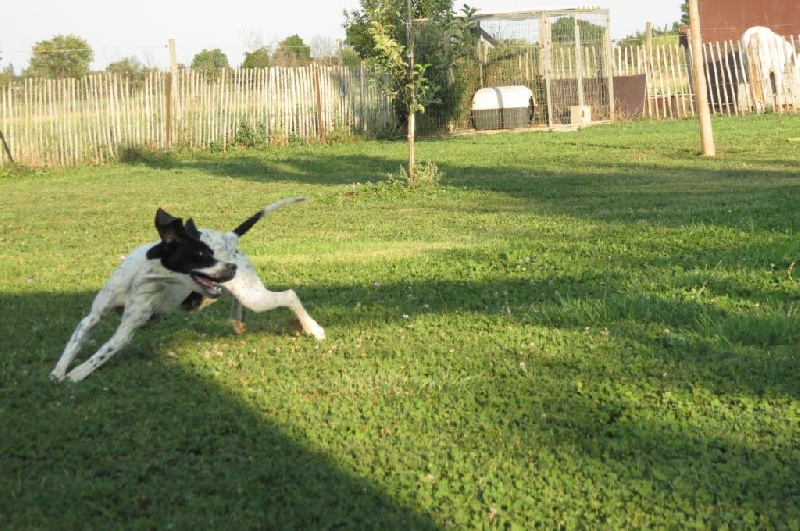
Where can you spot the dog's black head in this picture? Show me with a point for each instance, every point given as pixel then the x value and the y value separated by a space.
pixel 182 251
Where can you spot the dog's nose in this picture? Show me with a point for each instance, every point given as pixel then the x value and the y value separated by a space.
pixel 233 267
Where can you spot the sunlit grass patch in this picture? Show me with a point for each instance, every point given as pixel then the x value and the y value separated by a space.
pixel 595 329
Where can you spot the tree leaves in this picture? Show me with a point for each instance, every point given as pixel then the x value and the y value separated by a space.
pixel 292 51
pixel 379 34
pixel 210 60
pixel 63 56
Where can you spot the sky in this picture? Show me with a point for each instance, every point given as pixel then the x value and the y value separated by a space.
pixel 144 28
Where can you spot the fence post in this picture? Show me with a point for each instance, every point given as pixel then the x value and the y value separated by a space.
pixel 320 124
pixel 706 133
pixel 608 68
pixel 168 133
pixel 547 44
pixel 5 148
pixel 579 62
pixel 652 93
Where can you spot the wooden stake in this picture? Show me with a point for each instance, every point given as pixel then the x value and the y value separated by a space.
pixel 318 90
pixel 699 82
pixel 411 112
pixel 649 51
pixel 608 69
pixel 168 95
pixel 6 148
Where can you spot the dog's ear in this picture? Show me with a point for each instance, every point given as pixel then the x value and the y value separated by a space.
pixel 169 228
pixel 191 229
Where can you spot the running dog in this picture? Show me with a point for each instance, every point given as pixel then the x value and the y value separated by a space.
pixel 188 267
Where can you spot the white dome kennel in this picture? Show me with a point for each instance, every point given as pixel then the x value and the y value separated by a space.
pixel 502 107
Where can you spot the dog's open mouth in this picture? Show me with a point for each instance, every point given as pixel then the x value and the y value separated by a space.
pixel 208 285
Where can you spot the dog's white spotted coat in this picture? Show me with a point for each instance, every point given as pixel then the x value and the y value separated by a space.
pixel 147 291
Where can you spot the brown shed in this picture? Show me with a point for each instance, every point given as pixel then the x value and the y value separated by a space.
pixel 723 20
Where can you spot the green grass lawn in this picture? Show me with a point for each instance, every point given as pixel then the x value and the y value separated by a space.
pixel 587 329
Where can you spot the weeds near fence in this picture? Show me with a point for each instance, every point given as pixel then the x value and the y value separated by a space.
pixel 248 136
pixel 426 174
pixel 427 178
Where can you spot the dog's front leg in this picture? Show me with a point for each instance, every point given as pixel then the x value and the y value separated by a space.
pixel 260 299
pixel 248 290
pixel 78 339
pixel 122 336
pixel 236 319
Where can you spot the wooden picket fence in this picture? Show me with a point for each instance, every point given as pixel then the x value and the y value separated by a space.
pixel 89 120
pixel 733 88
pixel 667 69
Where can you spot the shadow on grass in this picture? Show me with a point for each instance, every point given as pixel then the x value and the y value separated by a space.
pixel 701 343
pixel 151 446
pixel 663 419
pixel 601 188
pixel 683 456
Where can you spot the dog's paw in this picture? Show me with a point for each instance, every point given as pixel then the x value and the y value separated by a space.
pixel 207 301
pixel 238 326
pixel 79 373
pixel 317 331
pixel 57 376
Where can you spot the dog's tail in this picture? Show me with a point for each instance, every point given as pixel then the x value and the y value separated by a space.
pixel 252 220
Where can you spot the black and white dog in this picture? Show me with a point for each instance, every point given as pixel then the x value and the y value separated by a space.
pixel 188 268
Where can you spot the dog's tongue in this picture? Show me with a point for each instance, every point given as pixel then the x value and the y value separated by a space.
pixel 205 282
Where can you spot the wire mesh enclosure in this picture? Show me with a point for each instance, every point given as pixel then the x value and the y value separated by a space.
pixel 564 57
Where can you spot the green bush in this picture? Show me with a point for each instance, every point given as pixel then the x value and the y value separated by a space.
pixel 248 136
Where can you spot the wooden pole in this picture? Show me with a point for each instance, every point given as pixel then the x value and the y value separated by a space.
pixel 411 110
pixel 168 133
pixel 318 90
pixel 545 30
pixel 172 78
pixel 5 148
pixel 579 62
pixel 699 82
pixel 608 67
pixel 173 68
pixel 173 60
pixel 650 80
